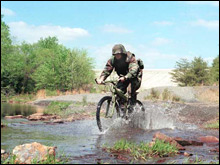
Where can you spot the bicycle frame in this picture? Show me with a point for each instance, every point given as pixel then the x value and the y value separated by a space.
pixel 115 92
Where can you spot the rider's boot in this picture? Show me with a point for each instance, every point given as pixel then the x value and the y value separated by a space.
pixel 132 103
pixel 123 110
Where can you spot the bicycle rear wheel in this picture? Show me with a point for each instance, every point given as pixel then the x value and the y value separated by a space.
pixel 137 107
pixel 104 116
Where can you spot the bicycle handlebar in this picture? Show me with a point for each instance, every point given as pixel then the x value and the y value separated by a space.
pixel 109 81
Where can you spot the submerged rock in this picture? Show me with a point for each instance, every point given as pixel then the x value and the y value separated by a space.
pixel 41 116
pixel 14 117
pixel 26 153
pixel 208 139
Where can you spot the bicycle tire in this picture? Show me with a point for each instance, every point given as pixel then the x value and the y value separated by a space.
pixel 142 106
pixel 107 99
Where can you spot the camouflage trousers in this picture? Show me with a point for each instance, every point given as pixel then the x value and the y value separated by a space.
pixel 131 85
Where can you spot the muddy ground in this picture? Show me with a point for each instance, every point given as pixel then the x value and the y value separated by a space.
pixel 190 109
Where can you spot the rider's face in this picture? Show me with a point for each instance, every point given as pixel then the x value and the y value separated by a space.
pixel 118 56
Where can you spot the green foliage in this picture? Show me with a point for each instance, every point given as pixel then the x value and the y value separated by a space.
pixel 9 160
pixel 50 92
pixel 57 108
pixel 214 76
pixel 213 125
pixel 191 73
pixel 46 64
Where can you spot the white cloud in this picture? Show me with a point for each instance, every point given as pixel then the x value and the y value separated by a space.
pixel 163 23
pixel 212 3
pixel 115 29
pixel 208 24
pixel 7 12
pixel 160 41
pixel 32 33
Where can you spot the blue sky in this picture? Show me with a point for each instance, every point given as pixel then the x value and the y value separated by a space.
pixel 160 33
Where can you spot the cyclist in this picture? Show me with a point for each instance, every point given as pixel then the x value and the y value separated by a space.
pixel 128 70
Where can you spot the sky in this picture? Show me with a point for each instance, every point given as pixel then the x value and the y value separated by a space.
pixel 158 32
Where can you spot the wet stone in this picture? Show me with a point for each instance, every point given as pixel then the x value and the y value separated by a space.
pixel 14 117
pixel 27 152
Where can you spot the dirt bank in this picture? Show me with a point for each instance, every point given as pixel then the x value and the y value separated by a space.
pixel 194 108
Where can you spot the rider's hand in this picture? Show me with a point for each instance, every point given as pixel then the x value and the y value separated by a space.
pixel 100 80
pixel 122 79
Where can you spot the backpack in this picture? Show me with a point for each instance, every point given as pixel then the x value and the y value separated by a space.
pixel 140 63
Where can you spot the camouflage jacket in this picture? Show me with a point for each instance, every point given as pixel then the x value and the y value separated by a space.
pixel 128 68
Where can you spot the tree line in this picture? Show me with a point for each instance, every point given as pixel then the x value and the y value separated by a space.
pixel 46 64
pixel 196 72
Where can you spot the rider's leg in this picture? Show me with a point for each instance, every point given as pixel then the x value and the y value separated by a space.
pixel 135 85
pixel 123 87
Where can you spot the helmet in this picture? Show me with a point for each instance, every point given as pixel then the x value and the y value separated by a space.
pixel 118 48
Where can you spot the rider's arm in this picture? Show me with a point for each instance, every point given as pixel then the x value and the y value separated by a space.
pixel 107 70
pixel 133 68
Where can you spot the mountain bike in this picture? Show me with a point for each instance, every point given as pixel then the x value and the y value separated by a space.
pixel 109 107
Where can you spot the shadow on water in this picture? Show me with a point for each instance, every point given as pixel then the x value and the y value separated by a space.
pixel 82 142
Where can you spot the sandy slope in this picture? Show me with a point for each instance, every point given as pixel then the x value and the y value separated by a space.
pixel 152 78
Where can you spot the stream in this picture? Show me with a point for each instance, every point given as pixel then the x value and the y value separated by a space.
pixel 81 141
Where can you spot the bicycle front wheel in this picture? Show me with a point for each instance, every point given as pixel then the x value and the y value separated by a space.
pixel 105 113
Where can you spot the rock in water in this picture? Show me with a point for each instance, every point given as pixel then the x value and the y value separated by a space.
pixel 26 153
pixel 209 139
pixel 2 151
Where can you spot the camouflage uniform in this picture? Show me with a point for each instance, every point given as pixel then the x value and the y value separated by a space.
pixel 126 66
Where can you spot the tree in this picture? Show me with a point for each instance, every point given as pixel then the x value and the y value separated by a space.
pixel 200 71
pixel 182 73
pixel 215 71
pixel 6 50
pixel 191 73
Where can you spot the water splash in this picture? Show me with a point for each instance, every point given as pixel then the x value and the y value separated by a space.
pixel 151 119
pixel 156 116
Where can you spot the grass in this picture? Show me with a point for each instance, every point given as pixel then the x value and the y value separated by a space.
pixel 11 159
pixel 22 98
pixel 143 151
pixel 214 124
pixel 208 95
pixel 154 95
pixel 57 108
pixel 166 95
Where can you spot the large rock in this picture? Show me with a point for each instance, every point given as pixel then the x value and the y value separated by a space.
pixel 208 139
pixel 167 139
pixel 177 141
pixel 14 117
pixel 41 116
pixel 26 153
